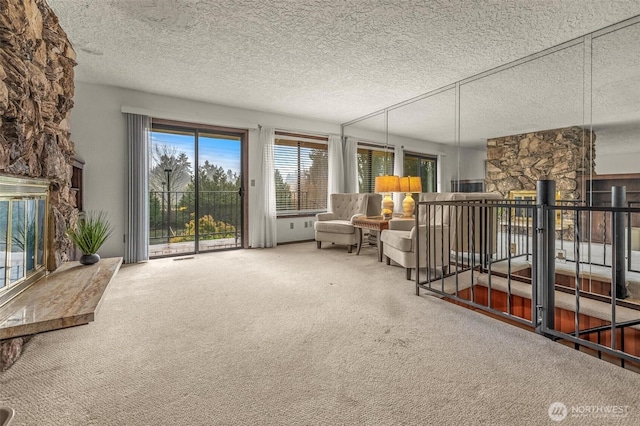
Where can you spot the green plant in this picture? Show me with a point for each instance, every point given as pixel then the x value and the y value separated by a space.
pixel 209 228
pixel 91 232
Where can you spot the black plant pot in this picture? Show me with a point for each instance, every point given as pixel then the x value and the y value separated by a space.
pixel 89 259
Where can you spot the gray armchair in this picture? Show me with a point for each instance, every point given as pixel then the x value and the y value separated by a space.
pixel 336 226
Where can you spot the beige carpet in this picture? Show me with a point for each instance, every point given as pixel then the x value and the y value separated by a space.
pixel 299 336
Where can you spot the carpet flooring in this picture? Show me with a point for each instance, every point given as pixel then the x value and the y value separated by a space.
pixel 300 336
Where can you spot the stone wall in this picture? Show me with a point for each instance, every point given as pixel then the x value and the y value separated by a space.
pixel 36 96
pixel 517 162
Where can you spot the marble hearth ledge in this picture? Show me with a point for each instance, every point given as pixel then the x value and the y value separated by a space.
pixel 67 297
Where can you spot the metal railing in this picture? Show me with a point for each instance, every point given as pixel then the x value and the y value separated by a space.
pixel 632 240
pixel 470 259
pixel 483 238
pixel 173 216
pixel 618 318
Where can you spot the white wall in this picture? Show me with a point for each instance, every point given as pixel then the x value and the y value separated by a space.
pixel 617 163
pixel 98 129
pixel 472 163
pixel 302 229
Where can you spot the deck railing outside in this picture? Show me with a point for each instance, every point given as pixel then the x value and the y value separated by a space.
pixel 172 216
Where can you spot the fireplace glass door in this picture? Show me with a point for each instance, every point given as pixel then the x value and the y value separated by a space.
pixel 22 232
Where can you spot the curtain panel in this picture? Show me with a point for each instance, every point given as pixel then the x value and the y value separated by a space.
pixel 335 182
pixel 263 225
pixel 351 165
pixel 137 219
pixel 398 170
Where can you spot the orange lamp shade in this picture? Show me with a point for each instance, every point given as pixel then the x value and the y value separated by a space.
pixel 410 184
pixel 387 184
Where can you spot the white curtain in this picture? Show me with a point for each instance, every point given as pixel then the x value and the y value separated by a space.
pixel 137 220
pixel 398 170
pixel 263 225
pixel 351 165
pixel 335 182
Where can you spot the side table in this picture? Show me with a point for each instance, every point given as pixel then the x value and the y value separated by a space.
pixel 375 223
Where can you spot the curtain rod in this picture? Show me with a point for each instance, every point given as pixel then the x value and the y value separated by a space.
pixel 189 117
pixel 375 143
pixel 290 130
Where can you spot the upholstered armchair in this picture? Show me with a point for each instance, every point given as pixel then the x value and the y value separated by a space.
pixel 476 225
pixel 399 242
pixel 336 226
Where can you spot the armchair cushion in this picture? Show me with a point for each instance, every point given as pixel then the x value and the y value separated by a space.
pixel 438 214
pixel 401 240
pixel 344 206
pixel 335 226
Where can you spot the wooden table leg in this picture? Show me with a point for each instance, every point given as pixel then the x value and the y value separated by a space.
pixel 359 230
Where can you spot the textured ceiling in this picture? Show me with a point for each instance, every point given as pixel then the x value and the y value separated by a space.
pixel 331 60
pixel 547 92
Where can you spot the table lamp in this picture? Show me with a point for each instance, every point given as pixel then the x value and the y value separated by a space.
pixel 409 184
pixel 386 185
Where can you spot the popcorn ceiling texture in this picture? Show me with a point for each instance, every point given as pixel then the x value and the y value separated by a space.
pixel 331 60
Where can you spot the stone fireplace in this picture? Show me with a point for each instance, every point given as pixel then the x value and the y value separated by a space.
pixel 516 162
pixel 36 96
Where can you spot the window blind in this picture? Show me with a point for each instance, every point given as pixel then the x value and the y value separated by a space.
pixel 301 175
pixel 372 162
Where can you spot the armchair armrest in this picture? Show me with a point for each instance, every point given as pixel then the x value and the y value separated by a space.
pixel 325 216
pixel 435 248
pixel 402 224
pixel 422 229
pixel 435 232
pixel 355 216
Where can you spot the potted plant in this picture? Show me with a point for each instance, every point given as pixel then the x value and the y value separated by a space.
pixel 89 234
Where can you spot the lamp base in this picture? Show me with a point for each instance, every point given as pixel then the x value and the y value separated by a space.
pixel 408 205
pixel 387 207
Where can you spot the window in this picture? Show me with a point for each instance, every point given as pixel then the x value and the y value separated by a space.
pixel 301 174
pixel 425 167
pixel 196 186
pixel 470 185
pixel 372 161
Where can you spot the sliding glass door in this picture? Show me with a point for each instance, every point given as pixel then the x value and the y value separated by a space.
pixel 219 191
pixel 196 199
